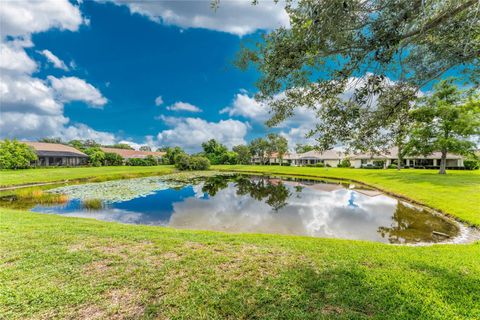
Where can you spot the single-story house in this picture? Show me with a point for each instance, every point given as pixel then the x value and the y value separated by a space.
pixel 329 157
pixel 391 156
pixel 55 154
pixel 129 154
pixel 274 159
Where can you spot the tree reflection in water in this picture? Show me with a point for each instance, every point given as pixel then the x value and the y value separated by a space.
pixel 272 191
pixel 412 225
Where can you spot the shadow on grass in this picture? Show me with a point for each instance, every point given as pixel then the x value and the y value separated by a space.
pixel 344 292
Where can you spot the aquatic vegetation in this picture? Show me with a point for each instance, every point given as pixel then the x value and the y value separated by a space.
pixel 39 196
pixel 28 197
pixel 116 190
pixel 124 190
pixel 92 204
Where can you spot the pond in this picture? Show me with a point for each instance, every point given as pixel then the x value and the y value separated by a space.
pixel 258 204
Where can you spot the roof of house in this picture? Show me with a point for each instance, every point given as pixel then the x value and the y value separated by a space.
pixel 392 153
pixel 325 155
pixel 286 156
pixel 127 153
pixel 55 149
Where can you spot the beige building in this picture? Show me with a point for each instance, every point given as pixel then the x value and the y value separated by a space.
pixel 56 154
pixel 332 158
pixel 391 156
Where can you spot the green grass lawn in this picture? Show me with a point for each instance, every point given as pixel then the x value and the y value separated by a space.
pixel 52 267
pixel 457 193
pixel 18 177
pixel 70 268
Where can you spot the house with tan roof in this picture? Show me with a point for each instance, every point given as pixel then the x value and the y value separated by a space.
pixel 329 158
pixel 56 154
pixel 129 154
pixel 389 157
pixel 332 158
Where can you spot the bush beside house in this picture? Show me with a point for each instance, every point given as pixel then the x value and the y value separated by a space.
pixel 15 155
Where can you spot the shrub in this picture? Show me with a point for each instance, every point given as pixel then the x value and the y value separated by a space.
pixel 471 164
pixel 96 157
pixel 15 155
pixel 151 161
pixel 113 159
pixel 392 166
pixel 136 162
pixel 199 163
pixel 182 161
pixel 345 163
pixel 186 162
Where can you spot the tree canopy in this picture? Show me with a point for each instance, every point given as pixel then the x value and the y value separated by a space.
pixel 341 55
pixel 446 121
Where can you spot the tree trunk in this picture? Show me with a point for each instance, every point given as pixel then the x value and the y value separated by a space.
pixel 443 162
pixel 399 158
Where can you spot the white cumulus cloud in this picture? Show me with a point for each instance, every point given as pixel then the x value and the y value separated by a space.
pixel 53 59
pixel 237 17
pixel 31 107
pixel 74 89
pixel 15 59
pixel 158 101
pixel 20 18
pixel 184 106
pixel 190 133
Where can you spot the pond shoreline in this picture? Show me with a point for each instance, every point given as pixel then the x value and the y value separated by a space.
pixel 397 195
pixel 466 234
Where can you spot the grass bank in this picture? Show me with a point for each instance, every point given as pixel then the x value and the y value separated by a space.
pixel 457 193
pixel 28 176
pixel 52 267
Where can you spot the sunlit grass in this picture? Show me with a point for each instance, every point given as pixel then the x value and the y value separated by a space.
pixel 53 267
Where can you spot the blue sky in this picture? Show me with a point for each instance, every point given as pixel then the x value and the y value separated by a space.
pixel 133 60
pixel 159 73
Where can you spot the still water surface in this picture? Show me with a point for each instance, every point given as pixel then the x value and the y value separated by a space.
pixel 270 205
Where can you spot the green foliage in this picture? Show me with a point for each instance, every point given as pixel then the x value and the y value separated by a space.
pixel 217 153
pixel 337 58
pixel 151 160
pixel 186 162
pixel 113 159
pixel 121 146
pixel 145 148
pixel 84 144
pixel 77 144
pixel 244 155
pixel 147 161
pixel 446 121
pixel 171 154
pixel 345 163
pixel 404 39
pixel 302 148
pixel 96 156
pixel 259 148
pixel 51 140
pixel 15 155
pixel 471 164
pixel 278 144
